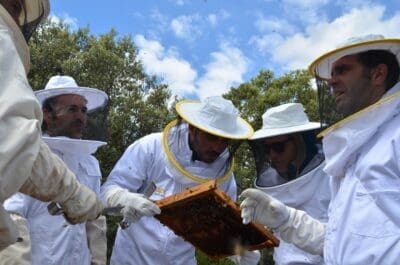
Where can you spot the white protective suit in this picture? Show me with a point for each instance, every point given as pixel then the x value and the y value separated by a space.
pixel 53 240
pixel 148 242
pixel 26 163
pixel 310 193
pixel 363 157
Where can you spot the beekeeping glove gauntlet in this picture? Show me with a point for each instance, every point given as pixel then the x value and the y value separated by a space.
pixel 294 226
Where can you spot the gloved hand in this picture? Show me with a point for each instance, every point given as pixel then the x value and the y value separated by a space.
pixel 246 258
pixel 8 229
pixel 294 226
pixel 261 208
pixel 135 205
pixel 83 206
pixel 51 180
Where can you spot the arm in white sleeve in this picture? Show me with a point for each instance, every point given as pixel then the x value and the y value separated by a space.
pixel 304 232
pixel 96 232
pixel 294 226
pixel 18 253
pixel 51 180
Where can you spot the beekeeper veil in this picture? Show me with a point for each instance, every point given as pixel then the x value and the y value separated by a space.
pixel 284 120
pixel 94 108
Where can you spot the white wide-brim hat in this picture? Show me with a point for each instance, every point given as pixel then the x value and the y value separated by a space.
pixel 322 66
pixel 284 119
pixel 215 115
pixel 64 85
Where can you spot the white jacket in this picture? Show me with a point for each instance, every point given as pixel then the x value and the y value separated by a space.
pixel 310 193
pixel 53 240
pixel 363 157
pixel 20 113
pixel 148 242
pixel 26 163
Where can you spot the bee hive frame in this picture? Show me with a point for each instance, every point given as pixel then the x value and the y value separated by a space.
pixel 210 220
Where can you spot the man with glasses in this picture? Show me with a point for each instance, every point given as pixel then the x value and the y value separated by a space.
pixel 26 163
pixel 65 110
pixel 289 166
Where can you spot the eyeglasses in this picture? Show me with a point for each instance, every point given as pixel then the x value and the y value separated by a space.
pixel 278 147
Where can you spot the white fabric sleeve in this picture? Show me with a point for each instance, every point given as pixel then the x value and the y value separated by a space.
pixel 52 180
pixel 18 253
pixel 304 232
pixel 96 232
pixel 294 226
pixel 20 115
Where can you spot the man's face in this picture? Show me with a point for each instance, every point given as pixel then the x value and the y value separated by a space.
pixel 281 150
pixel 68 117
pixel 352 86
pixel 207 147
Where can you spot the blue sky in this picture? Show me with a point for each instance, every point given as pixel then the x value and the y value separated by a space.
pixel 203 47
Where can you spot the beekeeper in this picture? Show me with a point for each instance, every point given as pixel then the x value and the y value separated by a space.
pixel 361 153
pixel 26 163
pixel 289 166
pixel 189 151
pixel 65 107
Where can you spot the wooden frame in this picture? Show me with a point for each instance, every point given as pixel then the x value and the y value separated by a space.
pixel 210 220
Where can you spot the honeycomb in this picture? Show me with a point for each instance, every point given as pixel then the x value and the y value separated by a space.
pixel 210 220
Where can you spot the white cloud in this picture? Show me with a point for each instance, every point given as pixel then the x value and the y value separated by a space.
pixel 351 4
pixel 215 18
pixel 212 19
pixel 184 27
pixel 226 69
pixel 176 72
pixel 305 11
pixel 305 3
pixel 66 18
pixel 298 51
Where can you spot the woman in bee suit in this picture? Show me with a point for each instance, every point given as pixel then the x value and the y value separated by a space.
pixel 289 166
pixel 26 163
pixel 185 154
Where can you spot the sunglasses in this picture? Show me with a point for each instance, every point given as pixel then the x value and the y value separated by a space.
pixel 277 147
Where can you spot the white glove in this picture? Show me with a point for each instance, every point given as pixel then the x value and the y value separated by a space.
pixel 246 258
pixel 294 226
pixel 51 180
pixel 135 205
pixel 261 208
pixel 8 229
